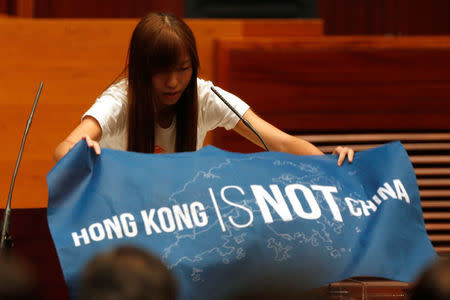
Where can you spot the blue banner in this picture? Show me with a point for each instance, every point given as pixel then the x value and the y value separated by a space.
pixel 222 221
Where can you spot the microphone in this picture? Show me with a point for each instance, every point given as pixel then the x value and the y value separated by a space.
pixel 6 240
pixel 240 117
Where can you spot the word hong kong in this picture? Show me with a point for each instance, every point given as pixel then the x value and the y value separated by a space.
pixel 160 220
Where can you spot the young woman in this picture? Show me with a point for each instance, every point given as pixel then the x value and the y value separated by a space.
pixel 160 106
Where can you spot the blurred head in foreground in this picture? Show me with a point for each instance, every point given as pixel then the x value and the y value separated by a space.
pixel 434 283
pixel 127 273
pixel 17 281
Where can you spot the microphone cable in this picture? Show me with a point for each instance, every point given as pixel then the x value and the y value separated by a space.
pixel 240 117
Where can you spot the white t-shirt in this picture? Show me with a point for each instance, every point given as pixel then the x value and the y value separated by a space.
pixel 110 110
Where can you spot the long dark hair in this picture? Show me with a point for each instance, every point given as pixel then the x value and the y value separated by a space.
pixel 156 45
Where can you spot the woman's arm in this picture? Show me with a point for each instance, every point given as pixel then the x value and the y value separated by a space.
pixel 278 140
pixel 89 129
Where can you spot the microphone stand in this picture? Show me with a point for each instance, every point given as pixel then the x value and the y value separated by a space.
pixel 6 240
pixel 240 117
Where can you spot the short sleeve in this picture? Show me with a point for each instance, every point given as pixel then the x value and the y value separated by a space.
pixel 110 109
pixel 214 112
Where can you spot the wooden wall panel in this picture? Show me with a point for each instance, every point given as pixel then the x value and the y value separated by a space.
pixel 104 8
pixel 396 17
pixel 8 7
pixel 25 8
pixel 417 17
pixel 341 17
pixel 3 7
pixel 282 27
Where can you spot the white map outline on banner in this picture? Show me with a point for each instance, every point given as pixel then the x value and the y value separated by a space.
pixel 280 243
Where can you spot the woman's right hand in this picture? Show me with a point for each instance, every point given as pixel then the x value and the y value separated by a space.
pixel 92 144
pixel 89 130
pixel 67 145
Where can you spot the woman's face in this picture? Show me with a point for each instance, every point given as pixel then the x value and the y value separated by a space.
pixel 170 84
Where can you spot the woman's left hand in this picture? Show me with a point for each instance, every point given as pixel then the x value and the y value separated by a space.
pixel 344 152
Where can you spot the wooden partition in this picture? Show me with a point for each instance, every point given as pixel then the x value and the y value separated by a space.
pixel 341 83
pixel 357 91
pixel 76 60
